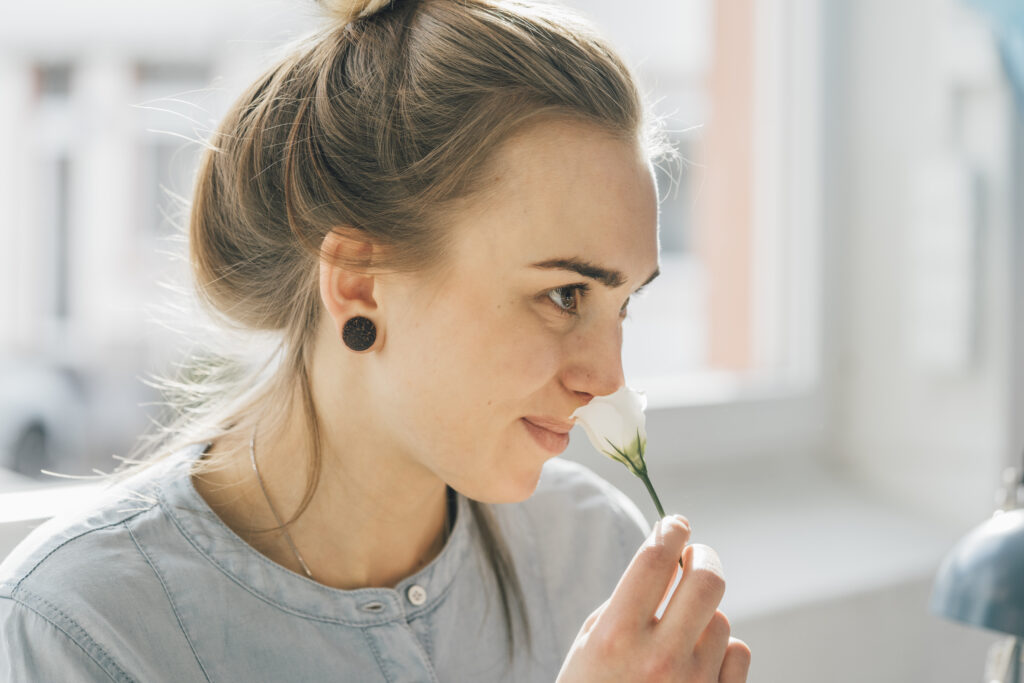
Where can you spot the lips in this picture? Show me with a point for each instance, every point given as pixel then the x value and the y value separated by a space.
pixel 548 439
pixel 557 426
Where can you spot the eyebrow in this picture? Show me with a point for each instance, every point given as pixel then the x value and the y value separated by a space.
pixel 607 276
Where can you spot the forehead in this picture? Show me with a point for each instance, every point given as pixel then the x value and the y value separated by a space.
pixel 563 189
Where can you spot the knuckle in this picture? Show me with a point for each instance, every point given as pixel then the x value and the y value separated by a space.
pixel 594 616
pixel 658 667
pixel 719 626
pixel 609 641
pixel 655 556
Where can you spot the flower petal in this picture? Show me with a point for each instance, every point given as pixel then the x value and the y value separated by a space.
pixel 615 426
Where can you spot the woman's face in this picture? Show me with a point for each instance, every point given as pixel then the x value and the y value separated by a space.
pixel 525 320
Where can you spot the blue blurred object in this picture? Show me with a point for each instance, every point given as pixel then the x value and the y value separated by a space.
pixel 981 580
pixel 1006 17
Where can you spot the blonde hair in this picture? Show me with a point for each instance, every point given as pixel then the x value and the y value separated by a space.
pixel 373 125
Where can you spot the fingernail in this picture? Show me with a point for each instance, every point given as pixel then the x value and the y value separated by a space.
pixel 705 557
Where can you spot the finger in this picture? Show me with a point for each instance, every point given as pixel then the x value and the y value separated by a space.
pixel 710 649
pixel 736 664
pixel 695 601
pixel 639 591
pixel 677 574
pixel 589 623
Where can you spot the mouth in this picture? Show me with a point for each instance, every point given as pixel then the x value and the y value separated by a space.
pixel 556 426
pixel 552 440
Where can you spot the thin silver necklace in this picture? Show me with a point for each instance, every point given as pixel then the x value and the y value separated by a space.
pixel 288 537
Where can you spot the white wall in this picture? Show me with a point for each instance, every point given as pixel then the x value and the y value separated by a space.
pixel 816 586
pixel 884 636
pixel 921 80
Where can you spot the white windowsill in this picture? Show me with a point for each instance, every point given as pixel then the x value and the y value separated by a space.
pixel 40 502
pixel 791 533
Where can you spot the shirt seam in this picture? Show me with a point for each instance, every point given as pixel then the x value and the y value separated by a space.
pixel 107 659
pixel 170 599
pixel 17 584
pixel 376 654
pixel 419 646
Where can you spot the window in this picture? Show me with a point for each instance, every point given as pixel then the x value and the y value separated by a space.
pixel 169 99
pixel 52 205
pixel 734 310
pixel 731 332
pixel 92 229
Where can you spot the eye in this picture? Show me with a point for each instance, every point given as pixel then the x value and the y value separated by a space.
pixel 567 298
pixel 624 311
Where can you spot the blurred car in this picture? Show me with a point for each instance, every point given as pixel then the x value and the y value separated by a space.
pixel 42 415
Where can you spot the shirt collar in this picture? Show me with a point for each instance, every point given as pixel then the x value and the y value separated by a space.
pixel 291 591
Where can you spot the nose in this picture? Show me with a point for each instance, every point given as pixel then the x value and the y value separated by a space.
pixel 594 361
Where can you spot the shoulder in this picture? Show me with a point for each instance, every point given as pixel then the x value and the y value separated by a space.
pixel 575 518
pixel 83 537
pixel 35 648
pixel 572 490
pixel 80 581
pixel 62 543
pixel 575 536
pixel 63 587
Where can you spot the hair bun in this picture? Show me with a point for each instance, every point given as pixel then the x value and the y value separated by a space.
pixel 345 11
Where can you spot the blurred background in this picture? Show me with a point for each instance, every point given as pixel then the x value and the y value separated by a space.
pixel 833 354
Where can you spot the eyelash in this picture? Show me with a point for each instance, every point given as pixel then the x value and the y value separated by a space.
pixel 580 291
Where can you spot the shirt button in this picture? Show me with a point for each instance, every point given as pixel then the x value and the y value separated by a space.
pixel 417 594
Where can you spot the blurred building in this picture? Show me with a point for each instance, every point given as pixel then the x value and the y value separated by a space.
pixel 103 110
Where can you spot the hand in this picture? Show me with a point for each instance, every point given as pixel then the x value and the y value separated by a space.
pixel 623 640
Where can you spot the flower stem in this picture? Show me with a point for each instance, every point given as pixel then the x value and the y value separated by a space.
pixel 650 489
pixel 657 503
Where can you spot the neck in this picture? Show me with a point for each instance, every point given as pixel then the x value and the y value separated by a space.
pixel 374 519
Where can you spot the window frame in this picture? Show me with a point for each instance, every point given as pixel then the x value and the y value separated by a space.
pixel 786 416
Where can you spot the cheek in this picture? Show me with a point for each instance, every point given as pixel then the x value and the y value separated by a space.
pixel 516 354
pixel 488 345
pixel 464 370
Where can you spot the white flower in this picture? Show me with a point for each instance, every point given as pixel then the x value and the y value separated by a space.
pixel 615 426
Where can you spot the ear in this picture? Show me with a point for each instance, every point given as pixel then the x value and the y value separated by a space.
pixel 347 293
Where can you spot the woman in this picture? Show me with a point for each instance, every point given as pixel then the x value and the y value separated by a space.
pixel 437 211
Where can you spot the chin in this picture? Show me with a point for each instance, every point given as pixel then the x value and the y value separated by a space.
pixel 514 487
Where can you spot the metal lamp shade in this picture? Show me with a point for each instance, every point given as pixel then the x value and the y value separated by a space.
pixel 981 580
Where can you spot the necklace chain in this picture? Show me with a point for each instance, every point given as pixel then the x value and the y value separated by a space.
pixel 287 536
pixel 284 530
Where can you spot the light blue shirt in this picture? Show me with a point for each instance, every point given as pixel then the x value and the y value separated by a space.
pixel 147 584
